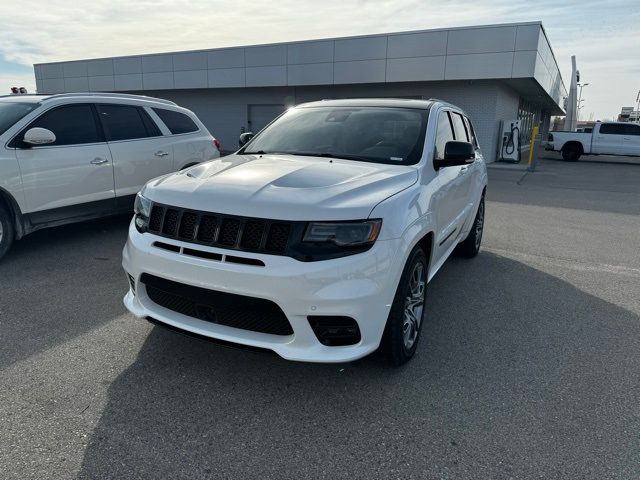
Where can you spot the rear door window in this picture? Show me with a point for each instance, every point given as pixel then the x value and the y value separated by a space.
pixel 444 134
pixel 459 128
pixel 631 129
pixel 612 129
pixel 71 124
pixel 176 122
pixel 126 122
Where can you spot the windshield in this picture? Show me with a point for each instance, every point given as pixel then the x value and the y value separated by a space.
pixel 11 112
pixel 370 134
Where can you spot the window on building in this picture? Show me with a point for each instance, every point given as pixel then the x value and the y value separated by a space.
pixel 71 124
pixel 444 134
pixel 126 122
pixel 176 122
pixel 529 116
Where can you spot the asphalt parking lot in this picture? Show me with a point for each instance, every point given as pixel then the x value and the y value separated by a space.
pixel 528 367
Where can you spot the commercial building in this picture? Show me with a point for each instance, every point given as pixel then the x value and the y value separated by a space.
pixel 629 114
pixel 496 73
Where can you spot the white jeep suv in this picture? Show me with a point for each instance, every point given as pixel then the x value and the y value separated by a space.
pixel 72 157
pixel 317 238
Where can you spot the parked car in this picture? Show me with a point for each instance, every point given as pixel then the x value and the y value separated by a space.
pixel 607 138
pixel 72 157
pixel 317 238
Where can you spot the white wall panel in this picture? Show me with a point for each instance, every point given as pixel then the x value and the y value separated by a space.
pixel 310 74
pixel 366 48
pixel 103 83
pixel 415 69
pixel 479 65
pixel 310 52
pixel 227 77
pixel 481 40
pixel 365 71
pixel 127 65
pixel 417 44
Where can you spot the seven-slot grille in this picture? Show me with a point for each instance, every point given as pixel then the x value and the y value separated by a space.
pixel 227 231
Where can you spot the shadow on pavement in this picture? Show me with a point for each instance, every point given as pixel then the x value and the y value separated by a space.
pixel 58 283
pixel 515 379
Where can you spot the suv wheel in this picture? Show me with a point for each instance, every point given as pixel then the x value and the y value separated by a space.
pixel 471 245
pixel 407 311
pixel 7 232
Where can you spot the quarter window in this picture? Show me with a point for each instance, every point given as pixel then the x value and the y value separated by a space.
pixel 126 122
pixel 71 124
pixel 176 122
pixel 444 134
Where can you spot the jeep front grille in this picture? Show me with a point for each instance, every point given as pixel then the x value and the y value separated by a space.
pixel 218 230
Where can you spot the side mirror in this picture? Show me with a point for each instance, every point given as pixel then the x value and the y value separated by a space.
pixel 244 138
pixel 39 136
pixel 456 153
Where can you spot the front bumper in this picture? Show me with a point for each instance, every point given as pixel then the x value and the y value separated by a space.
pixel 360 286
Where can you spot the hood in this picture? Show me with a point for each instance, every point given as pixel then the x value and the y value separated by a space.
pixel 283 187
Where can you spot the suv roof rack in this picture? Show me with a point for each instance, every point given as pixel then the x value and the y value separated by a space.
pixel 110 95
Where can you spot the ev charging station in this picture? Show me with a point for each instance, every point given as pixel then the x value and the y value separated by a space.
pixel 509 142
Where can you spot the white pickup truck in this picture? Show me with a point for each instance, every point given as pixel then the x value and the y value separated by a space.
pixel 607 138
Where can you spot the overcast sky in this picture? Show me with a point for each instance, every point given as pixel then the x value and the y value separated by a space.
pixel 604 35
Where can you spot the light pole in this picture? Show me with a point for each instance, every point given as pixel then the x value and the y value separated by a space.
pixel 638 107
pixel 581 86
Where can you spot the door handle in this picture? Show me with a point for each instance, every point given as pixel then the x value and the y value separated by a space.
pixel 160 153
pixel 463 170
pixel 99 161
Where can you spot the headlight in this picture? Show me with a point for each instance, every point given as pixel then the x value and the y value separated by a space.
pixel 343 234
pixel 142 210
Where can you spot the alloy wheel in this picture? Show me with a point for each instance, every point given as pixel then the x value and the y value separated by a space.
pixel 414 306
pixel 479 224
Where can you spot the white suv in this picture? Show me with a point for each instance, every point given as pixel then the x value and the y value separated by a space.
pixel 317 238
pixel 72 157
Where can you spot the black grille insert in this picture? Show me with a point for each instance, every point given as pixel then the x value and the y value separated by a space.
pixel 238 311
pixel 228 231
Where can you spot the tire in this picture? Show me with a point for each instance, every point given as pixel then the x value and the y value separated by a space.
pixel 402 331
pixel 470 247
pixel 7 231
pixel 571 153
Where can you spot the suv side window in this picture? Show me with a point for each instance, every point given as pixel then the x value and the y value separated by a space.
pixel 126 122
pixel 459 127
pixel 444 134
pixel 72 125
pixel 470 132
pixel 611 129
pixel 176 122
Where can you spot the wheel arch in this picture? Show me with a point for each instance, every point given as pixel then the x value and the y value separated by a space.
pixel 10 203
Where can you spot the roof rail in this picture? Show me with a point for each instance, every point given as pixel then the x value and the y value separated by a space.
pixel 110 95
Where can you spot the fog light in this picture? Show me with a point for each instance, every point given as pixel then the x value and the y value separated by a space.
pixel 334 331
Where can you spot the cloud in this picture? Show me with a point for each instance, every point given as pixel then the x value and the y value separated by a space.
pixel 604 35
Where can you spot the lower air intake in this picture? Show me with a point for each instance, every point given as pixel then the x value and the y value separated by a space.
pixel 238 311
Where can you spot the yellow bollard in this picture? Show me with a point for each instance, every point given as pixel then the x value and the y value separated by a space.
pixel 534 135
